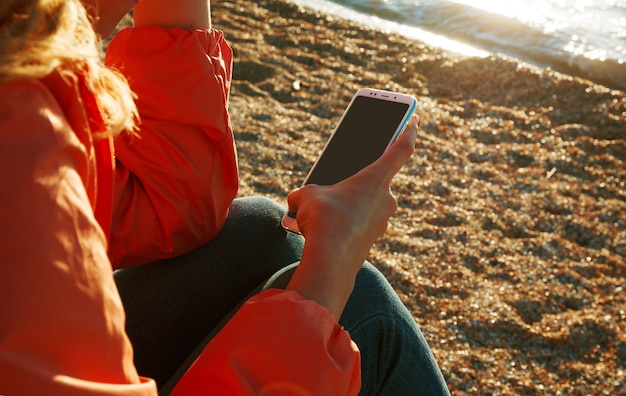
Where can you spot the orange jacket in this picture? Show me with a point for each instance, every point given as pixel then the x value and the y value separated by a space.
pixel 66 206
pixel 178 178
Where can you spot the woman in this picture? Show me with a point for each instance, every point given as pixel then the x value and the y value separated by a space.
pixel 85 190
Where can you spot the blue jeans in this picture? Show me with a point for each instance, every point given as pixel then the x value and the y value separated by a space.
pixel 174 307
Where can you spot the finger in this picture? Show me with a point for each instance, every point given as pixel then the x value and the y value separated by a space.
pixel 297 197
pixel 293 200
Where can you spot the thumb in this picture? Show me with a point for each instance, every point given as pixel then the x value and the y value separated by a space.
pixel 394 158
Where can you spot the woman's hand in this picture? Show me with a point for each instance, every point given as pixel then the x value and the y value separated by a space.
pixel 342 222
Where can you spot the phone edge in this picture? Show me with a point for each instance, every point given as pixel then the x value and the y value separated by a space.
pixel 289 222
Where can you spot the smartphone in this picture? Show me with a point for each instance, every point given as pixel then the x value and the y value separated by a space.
pixel 372 122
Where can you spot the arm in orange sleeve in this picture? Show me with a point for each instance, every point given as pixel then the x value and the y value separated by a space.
pixel 61 318
pixel 176 180
pixel 277 344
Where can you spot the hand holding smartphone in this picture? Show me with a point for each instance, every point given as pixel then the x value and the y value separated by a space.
pixel 371 123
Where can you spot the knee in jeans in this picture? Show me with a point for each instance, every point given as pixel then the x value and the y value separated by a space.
pixel 259 208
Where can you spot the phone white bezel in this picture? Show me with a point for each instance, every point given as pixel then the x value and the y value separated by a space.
pixel 289 222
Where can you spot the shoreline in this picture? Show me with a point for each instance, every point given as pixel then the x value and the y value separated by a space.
pixel 509 242
pixel 610 72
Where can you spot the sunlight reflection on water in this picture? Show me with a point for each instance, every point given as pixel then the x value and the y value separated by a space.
pixel 595 28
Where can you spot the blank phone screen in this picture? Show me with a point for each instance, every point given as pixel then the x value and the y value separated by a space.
pixel 360 139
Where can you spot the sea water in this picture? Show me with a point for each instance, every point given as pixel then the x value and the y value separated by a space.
pixel 585 38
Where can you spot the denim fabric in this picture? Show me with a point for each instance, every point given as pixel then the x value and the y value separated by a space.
pixel 174 307
pixel 395 357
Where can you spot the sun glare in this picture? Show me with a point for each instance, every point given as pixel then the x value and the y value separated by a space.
pixel 524 11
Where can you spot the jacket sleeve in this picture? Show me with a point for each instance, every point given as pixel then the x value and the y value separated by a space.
pixel 61 318
pixel 277 344
pixel 175 179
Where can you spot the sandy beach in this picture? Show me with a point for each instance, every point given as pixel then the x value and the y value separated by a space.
pixel 509 244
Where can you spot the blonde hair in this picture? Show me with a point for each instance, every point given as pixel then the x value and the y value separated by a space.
pixel 40 36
